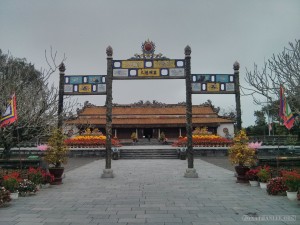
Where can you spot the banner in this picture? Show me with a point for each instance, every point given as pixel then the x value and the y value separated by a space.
pixel 285 111
pixel 10 114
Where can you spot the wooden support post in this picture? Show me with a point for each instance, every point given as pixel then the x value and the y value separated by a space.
pixel 190 172
pixel 236 67
pixel 108 172
pixel 60 110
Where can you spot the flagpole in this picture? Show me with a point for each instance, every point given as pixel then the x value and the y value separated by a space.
pixel 18 140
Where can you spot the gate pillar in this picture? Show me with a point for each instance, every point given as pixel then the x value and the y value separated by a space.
pixel 190 172
pixel 108 172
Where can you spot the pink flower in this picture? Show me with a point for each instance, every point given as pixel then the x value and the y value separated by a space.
pixel 255 145
pixel 42 147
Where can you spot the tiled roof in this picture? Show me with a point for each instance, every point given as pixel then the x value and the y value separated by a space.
pixel 152 121
pixel 165 110
pixel 135 115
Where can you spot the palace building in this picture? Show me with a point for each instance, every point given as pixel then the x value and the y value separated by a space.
pixel 149 120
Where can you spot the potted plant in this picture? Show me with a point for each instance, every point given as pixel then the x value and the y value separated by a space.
pixel 162 137
pixel 276 186
pixel 134 137
pixel 292 181
pixel 264 175
pixel 11 183
pixel 48 178
pixel 27 187
pixel 241 155
pixel 4 196
pixel 35 175
pixel 56 155
pixel 252 177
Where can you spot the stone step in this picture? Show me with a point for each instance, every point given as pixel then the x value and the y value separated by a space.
pixel 148 154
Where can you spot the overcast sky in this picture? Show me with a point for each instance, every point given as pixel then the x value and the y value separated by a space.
pixel 219 33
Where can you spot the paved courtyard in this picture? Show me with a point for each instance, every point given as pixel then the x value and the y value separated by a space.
pixel 151 192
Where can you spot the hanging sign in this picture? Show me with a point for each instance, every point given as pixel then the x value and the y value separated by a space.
pixel 156 69
pixel 84 85
pixel 213 84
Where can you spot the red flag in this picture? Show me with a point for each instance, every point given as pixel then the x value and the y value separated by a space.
pixel 10 114
pixel 285 111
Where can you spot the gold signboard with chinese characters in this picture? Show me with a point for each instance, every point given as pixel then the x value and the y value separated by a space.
pixel 149 72
pixel 164 64
pixel 149 68
pixel 126 64
pixel 213 83
pixel 84 85
pixel 213 87
pixel 84 88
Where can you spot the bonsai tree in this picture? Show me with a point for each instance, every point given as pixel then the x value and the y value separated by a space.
pixel 133 137
pixel 57 152
pixel 162 136
pixel 240 153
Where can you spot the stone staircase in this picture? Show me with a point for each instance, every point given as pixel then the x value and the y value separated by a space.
pixel 148 152
pixel 145 141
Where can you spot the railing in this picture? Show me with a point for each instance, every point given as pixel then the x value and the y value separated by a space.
pixel 275 139
pixel 74 152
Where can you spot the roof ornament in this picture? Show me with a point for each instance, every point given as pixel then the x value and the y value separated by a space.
pixel 148 49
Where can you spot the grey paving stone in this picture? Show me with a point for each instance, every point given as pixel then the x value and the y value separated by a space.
pixel 28 223
pixel 99 216
pixel 54 220
pixel 178 223
pixel 54 223
pixel 146 224
pixel 7 223
pixel 206 223
pixel 148 192
pixel 29 219
pixel 6 218
pixel 165 220
pixel 102 221
pixel 144 216
pixel 132 220
pixel 81 223
pixel 122 216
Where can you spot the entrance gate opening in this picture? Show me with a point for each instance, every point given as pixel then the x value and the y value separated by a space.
pixel 148 133
pixel 149 66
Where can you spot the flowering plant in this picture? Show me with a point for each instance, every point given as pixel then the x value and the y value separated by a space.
pixel 89 140
pixel 204 138
pixel 42 147
pixel 48 178
pixel 264 173
pixel 255 145
pixel 240 153
pixel 27 186
pixel 4 196
pixel 252 174
pixel 276 186
pixel 291 180
pixel 11 181
pixel 57 151
pixel 35 175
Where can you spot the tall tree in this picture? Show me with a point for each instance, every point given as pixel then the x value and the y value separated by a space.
pixel 36 100
pixel 280 69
